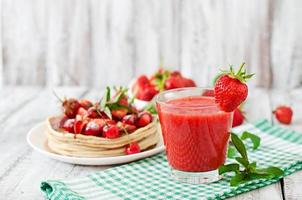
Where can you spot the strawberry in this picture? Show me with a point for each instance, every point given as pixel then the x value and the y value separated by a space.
pixel 188 82
pixel 146 93
pixel 283 114
pixel 174 82
pixel 238 117
pixel 140 83
pixel 231 90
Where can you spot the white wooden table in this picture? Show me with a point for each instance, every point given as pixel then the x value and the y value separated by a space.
pixel 22 169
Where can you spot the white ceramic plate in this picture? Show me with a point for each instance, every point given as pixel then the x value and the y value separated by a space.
pixel 36 138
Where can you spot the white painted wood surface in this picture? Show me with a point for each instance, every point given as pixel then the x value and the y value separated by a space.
pixel 22 169
pixel 108 42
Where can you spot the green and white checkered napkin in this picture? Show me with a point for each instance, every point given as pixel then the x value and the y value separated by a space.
pixel 149 178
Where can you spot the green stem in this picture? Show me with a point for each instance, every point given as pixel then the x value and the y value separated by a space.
pixel 241 67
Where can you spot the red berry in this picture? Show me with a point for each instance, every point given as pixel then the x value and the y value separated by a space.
pixel 238 117
pixel 92 113
pixel 79 124
pixel 130 119
pixel 111 131
pixel 284 114
pixel 119 113
pixel 144 119
pixel 62 121
pixel 188 82
pixel 174 82
pixel 110 122
pixel 146 93
pixel 82 111
pixel 68 125
pixel 231 90
pixel 93 128
pixel 71 107
pixel 132 149
pixel 85 103
pixel 175 73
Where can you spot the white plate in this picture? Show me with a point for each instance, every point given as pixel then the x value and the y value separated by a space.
pixel 36 138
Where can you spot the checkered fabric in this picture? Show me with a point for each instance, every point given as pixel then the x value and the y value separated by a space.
pixel 149 178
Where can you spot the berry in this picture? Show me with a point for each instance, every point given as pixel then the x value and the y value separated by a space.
pixel 130 119
pixel 175 73
pixel 111 131
pixel 144 119
pixel 79 124
pixel 238 117
pixel 231 90
pixel 119 113
pixel 71 107
pixel 110 122
pixel 82 111
pixel 146 93
pixel 68 125
pixel 174 82
pixel 188 82
pixel 132 149
pixel 284 114
pixel 62 121
pixel 93 128
pixel 85 103
pixel 92 112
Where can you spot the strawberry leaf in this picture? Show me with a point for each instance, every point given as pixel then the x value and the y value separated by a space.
pixel 231 152
pixel 237 179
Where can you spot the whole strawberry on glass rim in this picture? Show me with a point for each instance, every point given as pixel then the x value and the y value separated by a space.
pixel 230 88
pixel 111 126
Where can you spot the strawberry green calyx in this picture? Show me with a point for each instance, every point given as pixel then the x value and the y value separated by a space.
pixel 241 75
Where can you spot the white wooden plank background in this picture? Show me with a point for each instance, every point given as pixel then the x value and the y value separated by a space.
pixel 101 42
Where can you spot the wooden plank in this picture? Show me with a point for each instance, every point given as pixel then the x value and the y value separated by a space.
pixel 257 109
pixel 215 34
pixel 292 183
pixel 112 39
pixel 286 48
pixel 20 164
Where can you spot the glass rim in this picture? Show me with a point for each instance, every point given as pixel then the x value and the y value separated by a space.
pixel 158 100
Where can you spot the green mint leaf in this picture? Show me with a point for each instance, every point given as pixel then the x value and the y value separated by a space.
pixel 234 167
pixel 239 145
pixel 275 171
pixel 107 112
pixel 105 98
pixel 237 179
pixel 252 166
pixel 243 162
pixel 255 175
pixel 254 138
pixel 231 152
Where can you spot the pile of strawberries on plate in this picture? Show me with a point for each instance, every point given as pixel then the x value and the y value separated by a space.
pixel 109 118
pixel 146 88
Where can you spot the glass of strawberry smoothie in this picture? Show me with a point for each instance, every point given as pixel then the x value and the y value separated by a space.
pixel 196 133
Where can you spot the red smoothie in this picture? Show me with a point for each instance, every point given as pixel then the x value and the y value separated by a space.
pixel 196 133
